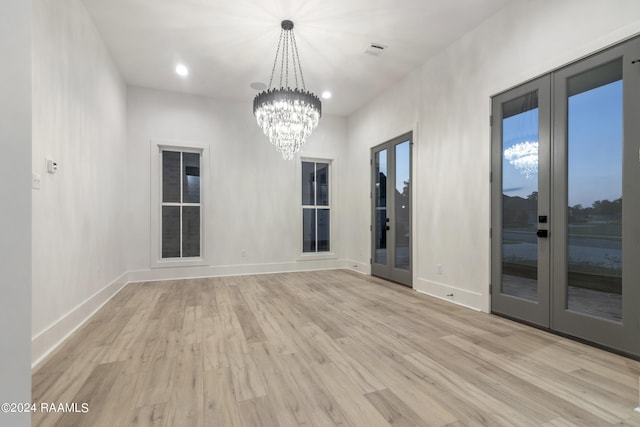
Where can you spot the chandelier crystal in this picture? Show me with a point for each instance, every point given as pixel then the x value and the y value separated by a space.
pixel 287 116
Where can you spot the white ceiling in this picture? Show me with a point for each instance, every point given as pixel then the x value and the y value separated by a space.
pixel 228 44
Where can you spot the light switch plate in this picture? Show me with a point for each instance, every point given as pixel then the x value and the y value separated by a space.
pixel 35 180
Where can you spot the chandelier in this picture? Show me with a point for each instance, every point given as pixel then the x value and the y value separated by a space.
pixel 287 116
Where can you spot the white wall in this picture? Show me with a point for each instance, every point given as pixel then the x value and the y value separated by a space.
pixel 15 214
pixel 79 120
pixel 254 192
pixel 449 97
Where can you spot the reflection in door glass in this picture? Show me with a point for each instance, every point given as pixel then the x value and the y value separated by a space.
pixel 594 251
pixel 402 207
pixel 520 197
pixel 381 207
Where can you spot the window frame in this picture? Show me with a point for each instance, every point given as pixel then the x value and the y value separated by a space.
pixel 157 147
pixel 331 253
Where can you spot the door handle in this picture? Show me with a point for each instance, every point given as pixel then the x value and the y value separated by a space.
pixel 543 233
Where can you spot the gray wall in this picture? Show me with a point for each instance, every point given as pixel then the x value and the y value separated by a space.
pixel 15 213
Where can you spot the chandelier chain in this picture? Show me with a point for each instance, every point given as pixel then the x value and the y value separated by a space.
pixel 287 36
pixel 284 50
pixel 297 58
pixel 275 61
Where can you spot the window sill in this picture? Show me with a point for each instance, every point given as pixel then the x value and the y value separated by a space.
pixel 314 256
pixel 191 262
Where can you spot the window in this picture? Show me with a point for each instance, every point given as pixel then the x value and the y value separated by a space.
pixel 178 210
pixel 181 209
pixel 316 208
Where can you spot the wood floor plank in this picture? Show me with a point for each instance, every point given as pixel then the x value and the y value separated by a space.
pixel 323 408
pixel 453 383
pixel 95 394
pixel 160 370
pixel 186 404
pixel 214 344
pixel 250 327
pixel 354 404
pixel 288 407
pixel 592 401
pixel 323 348
pixel 66 385
pixel 221 405
pixel 257 412
pixel 365 380
pixel 149 416
pixel 414 389
pixel 394 410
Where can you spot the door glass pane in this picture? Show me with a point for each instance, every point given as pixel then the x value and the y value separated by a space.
pixel 402 207
pixel 170 231
pixel 170 176
pixel 322 184
pixel 380 256
pixel 308 177
pixel 191 178
pixel 594 251
pixel 308 230
pixel 520 197
pixel 323 230
pixel 191 231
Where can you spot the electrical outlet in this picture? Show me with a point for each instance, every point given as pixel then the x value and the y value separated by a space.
pixel 243 253
pixel 52 166
pixel 439 269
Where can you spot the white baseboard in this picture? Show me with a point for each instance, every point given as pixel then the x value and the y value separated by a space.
pixel 176 273
pixel 463 297
pixel 49 339
pixel 358 266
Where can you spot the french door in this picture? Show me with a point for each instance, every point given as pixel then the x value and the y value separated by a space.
pixel 391 210
pixel 521 202
pixel 566 200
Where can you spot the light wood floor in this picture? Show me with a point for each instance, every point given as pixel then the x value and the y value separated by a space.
pixel 322 349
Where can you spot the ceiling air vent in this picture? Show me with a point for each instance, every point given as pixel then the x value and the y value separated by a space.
pixel 375 49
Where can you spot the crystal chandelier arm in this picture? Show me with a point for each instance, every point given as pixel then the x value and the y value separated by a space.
pixel 297 58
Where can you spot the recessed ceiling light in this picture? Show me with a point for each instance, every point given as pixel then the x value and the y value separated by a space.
pixel 258 86
pixel 326 94
pixel 182 70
